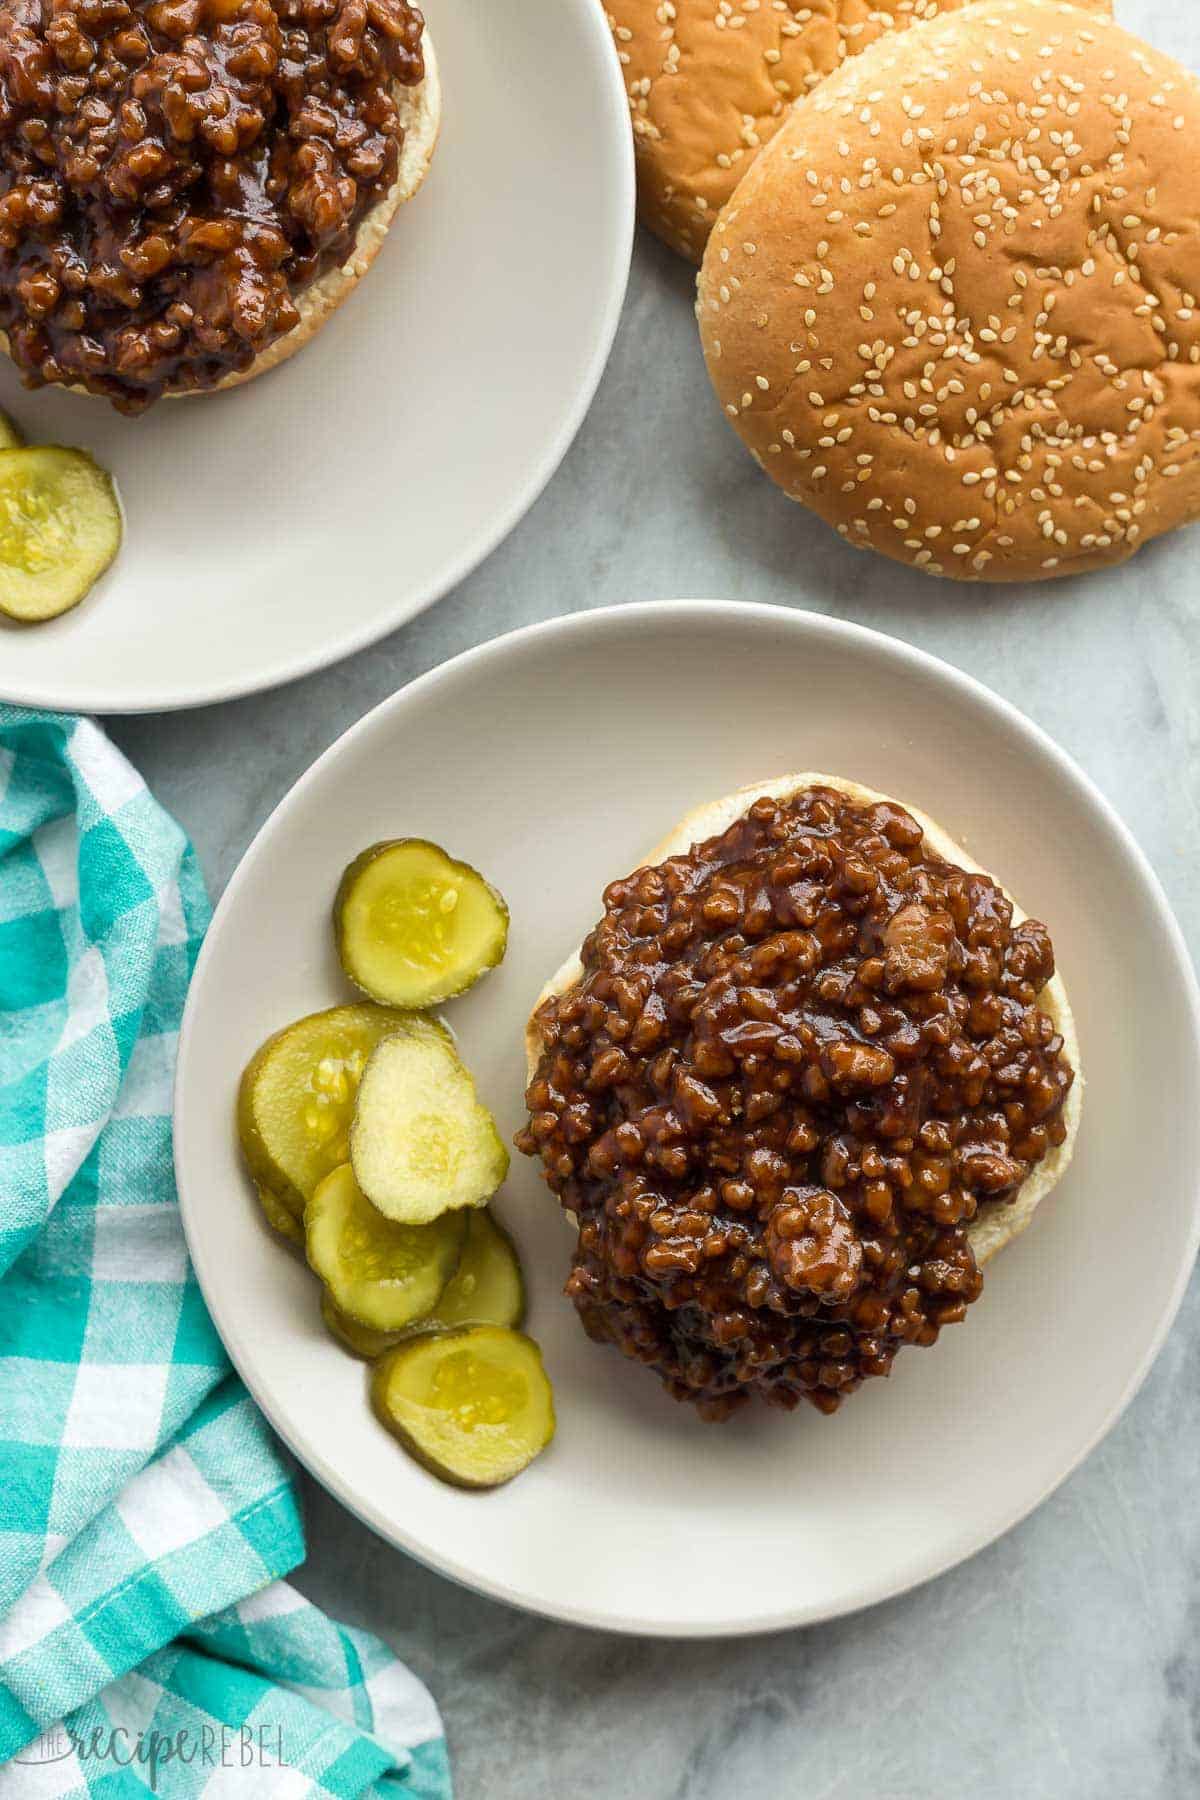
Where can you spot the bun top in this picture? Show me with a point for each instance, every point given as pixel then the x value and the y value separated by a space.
pixel 711 81
pixel 953 306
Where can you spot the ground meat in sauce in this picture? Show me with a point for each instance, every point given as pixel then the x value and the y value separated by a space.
pixel 800 1058
pixel 173 175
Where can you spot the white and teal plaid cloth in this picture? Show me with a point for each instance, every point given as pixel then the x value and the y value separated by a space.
pixel 146 1640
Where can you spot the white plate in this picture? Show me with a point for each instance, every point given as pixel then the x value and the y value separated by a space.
pixel 278 527
pixel 552 759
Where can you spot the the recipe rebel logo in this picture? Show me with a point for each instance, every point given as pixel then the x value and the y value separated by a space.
pixel 152 1752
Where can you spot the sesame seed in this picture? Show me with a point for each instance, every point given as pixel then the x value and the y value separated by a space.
pixel 1027 151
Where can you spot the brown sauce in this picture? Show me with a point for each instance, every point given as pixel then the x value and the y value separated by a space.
pixel 801 1057
pixel 173 175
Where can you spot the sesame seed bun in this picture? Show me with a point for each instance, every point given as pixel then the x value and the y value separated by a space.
pixel 953 305
pixel 420 110
pixel 711 81
pixel 997 1223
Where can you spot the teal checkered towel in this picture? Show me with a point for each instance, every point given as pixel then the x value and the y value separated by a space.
pixel 146 1640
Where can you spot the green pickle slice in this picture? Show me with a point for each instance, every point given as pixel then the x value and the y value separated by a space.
pixel 475 1407
pixel 414 926
pixel 296 1098
pixel 60 528
pixel 380 1274
pixel 279 1215
pixel 360 1340
pixel 486 1288
pixel 421 1142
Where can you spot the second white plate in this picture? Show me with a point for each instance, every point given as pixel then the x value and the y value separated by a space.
pixel 282 525
pixel 551 759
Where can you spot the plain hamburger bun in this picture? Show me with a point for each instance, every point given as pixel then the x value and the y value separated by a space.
pixel 997 1223
pixel 953 305
pixel 710 82
pixel 420 110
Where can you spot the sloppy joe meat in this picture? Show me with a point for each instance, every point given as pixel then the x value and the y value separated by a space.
pixel 800 1059
pixel 173 175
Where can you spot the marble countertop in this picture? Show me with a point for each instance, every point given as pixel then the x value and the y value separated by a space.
pixel 1064 1662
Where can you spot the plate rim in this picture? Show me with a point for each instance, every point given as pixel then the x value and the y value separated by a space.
pixel 464 563
pixel 924 1569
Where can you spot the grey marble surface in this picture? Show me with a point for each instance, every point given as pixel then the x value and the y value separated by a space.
pixel 1064 1662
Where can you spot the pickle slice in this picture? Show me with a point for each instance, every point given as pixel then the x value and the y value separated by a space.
pixel 486 1288
pixel 279 1214
pixel 475 1407
pixel 60 527
pixel 381 1274
pixel 413 926
pixel 360 1340
pixel 296 1098
pixel 421 1142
